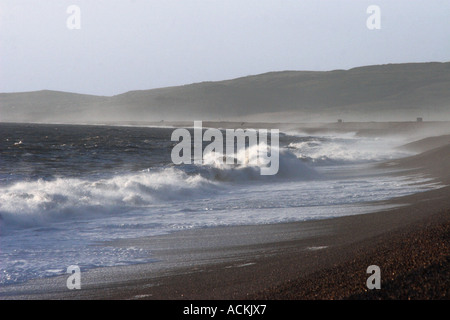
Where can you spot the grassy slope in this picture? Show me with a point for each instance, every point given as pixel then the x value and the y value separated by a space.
pixel 373 93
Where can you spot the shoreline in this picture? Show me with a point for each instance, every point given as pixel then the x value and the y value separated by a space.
pixel 316 259
pixel 328 265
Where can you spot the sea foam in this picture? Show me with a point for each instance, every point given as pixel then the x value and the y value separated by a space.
pixel 35 203
pixel 31 203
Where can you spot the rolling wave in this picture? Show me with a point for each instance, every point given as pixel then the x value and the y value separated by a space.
pixel 35 203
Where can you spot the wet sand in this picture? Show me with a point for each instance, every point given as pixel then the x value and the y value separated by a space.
pixel 323 259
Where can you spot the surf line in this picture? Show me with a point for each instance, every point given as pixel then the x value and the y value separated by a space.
pixel 247 147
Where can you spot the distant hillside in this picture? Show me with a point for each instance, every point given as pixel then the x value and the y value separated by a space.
pixel 373 93
pixel 45 105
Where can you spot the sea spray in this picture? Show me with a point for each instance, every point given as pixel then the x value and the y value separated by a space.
pixel 236 149
pixel 63 197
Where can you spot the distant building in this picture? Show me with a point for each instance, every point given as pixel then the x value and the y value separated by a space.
pixel 339 120
pixel 419 119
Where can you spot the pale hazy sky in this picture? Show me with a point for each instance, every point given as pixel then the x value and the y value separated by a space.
pixel 127 45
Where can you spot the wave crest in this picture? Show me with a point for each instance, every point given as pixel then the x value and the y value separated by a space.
pixel 34 203
pixel 290 166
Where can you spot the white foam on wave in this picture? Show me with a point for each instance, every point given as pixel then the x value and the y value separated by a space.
pixel 289 166
pixel 34 203
pixel 342 149
pixel 31 203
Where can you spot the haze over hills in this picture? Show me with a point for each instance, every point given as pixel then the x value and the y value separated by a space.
pixel 393 92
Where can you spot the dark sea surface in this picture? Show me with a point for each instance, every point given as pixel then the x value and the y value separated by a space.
pixel 39 151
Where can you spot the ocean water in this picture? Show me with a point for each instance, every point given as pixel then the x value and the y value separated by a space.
pixel 66 188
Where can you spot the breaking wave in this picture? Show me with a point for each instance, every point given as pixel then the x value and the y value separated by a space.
pixel 34 203
pixel 289 166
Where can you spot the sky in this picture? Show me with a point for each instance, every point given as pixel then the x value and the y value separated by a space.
pixel 109 47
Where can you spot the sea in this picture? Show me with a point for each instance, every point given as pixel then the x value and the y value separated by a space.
pixel 66 188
